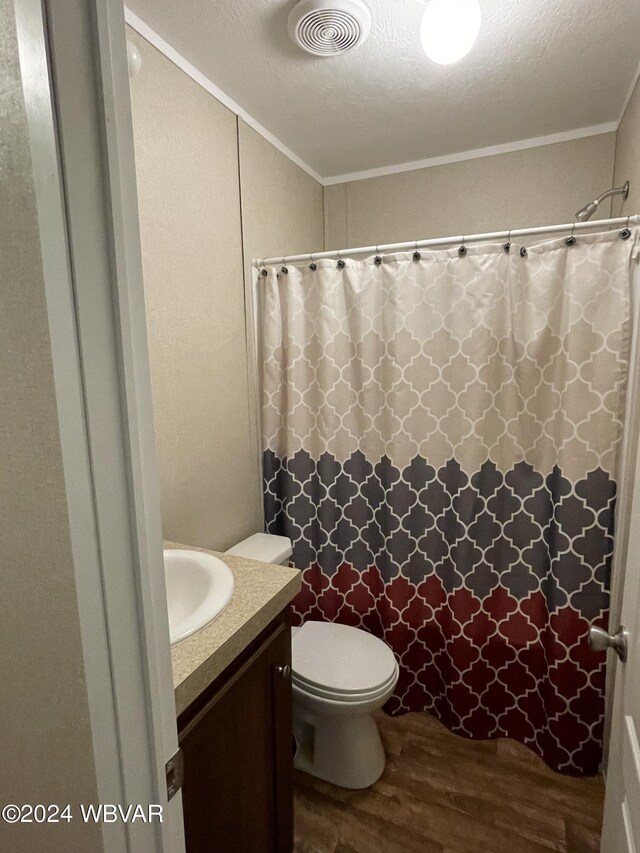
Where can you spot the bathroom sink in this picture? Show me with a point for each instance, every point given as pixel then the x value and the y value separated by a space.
pixel 199 587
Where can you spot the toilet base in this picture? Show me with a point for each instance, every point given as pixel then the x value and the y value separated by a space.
pixel 346 751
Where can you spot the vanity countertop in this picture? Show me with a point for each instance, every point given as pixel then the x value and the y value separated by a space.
pixel 262 590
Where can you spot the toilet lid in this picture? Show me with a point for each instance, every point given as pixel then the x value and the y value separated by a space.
pixel 340 658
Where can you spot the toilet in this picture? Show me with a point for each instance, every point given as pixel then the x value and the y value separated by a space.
pixel 340 677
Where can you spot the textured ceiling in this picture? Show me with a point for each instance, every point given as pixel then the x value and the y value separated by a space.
pixel 539 67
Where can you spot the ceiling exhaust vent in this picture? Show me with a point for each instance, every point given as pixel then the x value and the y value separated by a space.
pixel 329 27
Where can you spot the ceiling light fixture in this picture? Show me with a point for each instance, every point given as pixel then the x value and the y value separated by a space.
pixel 449 29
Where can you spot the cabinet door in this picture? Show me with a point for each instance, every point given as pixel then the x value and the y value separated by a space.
pixel 237 792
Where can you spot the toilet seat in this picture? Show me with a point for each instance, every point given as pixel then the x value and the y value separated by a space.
pixel 338 696
pixel 341 663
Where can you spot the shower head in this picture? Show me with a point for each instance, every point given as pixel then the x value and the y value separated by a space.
pixel 588 210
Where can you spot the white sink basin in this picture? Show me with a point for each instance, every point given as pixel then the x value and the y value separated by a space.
pixel 199 587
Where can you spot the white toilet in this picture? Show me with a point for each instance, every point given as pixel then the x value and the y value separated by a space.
pixel 340 676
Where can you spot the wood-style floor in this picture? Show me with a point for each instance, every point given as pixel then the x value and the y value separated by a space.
pixel 441 793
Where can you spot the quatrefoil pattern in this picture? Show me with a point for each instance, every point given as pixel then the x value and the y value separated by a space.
pixel 441 445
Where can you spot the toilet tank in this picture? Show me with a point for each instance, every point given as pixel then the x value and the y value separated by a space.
pixel 265 547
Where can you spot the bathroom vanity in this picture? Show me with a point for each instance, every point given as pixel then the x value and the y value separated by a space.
pixel 233 700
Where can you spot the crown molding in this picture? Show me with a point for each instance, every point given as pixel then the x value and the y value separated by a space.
pixel 630 92
pixel 476 153
pixel 198 77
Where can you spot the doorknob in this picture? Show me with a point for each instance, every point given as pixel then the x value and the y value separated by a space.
pixel 600 640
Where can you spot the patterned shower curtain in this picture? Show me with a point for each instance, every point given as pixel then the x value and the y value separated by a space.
pixel 441 436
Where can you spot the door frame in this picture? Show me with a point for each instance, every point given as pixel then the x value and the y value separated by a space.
pixel 628 470
pixel 617 827
pixel 75 79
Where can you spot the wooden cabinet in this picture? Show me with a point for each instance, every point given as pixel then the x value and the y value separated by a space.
pixel 238 753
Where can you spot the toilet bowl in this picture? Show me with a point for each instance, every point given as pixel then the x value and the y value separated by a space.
pixel 340 676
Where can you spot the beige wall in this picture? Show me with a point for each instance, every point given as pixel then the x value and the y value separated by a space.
pixel 45 737
pixel 282 206
pixel 204 392
pixel 282 212
pixel 536 186
pixel 628 157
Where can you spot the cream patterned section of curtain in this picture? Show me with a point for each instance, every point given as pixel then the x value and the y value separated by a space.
pixel 486 356
pixel 441 438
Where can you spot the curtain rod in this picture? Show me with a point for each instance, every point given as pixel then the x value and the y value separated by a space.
pixel 451 241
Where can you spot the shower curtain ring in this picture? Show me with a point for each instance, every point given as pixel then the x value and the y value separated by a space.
pixel 340 263
pixel 462 251
pixel 626 233
pixel 570 241
pixel 312 266
pixel 416 253
pixel 284 266
pixel 507 246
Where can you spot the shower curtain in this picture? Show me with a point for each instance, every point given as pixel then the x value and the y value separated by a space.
pixel 441 435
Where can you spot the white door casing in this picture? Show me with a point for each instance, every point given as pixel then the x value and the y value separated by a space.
pixel 621 827
pixel 75 80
